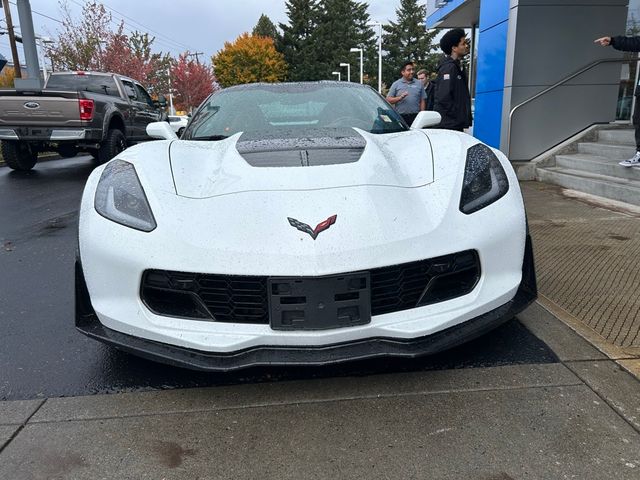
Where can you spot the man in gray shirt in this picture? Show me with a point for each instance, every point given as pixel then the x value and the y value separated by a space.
pixel 407 94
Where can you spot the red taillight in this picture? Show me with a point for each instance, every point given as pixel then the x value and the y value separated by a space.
pixel 86 109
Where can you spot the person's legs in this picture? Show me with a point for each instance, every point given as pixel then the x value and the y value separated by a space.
pixel 636 123
pixel 635 160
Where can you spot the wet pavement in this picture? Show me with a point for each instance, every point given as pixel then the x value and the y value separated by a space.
pixel 532 399
pixel 44 356
pixel 586 250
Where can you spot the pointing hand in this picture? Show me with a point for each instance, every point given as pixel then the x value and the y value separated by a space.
pixel 604 41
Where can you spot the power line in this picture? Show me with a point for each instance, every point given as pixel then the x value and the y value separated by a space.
pixel 195 54
pixel 41 14
pixel 160 38
pixel 149 29
pixel 130 30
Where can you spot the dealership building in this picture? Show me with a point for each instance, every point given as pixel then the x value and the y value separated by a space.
pixel 535 74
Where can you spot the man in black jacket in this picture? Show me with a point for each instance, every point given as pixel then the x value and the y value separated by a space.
pixel 628 44
pixel 429 87
pixel 452 99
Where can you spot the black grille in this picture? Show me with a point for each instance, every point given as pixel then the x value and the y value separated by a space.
pixel 229 298
pixel 244 299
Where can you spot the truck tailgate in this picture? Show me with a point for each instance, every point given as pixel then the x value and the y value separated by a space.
pixel 47 108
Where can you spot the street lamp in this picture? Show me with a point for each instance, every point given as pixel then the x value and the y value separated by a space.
pixel 378 24
pixel 348 65
pixel 336 73
pixel 361 54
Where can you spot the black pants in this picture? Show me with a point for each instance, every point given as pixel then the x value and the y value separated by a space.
pixel 636 121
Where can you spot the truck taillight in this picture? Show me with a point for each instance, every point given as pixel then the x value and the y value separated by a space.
pixel 86 109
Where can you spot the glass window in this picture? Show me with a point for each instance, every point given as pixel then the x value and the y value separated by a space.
pixel 129 89
pixel 292 110
pixel 103 84
pixel 143 96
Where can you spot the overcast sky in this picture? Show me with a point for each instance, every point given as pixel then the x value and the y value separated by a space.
pixel 195 25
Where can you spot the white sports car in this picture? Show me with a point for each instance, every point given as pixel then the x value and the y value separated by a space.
pixel 300 224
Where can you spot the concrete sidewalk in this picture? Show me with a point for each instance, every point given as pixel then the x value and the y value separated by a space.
pixel 576 418
pixel 587 252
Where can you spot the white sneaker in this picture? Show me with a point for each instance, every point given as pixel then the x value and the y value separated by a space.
pixel 632 162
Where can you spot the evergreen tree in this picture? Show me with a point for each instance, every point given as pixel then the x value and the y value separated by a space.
pixel 296 43
pixel 265 28
pixel 407 40
pixel 342 25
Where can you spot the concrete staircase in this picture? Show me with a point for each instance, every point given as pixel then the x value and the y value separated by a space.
pixel 592 166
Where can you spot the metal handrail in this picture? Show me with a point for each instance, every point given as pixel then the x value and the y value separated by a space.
pixel 556 85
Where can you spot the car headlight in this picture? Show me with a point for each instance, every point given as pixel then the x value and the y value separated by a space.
pixel 120 197
pixel 485 181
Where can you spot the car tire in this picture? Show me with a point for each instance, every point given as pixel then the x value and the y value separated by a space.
pixel 112 145
pixel 180 132
pixel 67 151
pixel 18 155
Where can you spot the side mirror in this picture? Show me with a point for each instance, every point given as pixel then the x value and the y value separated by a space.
pixel 426 118
pixel 161 130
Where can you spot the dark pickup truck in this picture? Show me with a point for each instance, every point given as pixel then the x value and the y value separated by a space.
pixel 98 113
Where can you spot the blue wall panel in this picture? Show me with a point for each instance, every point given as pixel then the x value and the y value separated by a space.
pixel 486 125
pixel 492 52
pixel 493 12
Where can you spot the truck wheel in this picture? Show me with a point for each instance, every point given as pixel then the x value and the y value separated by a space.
pixel 18 155
pixel 112 145
pixel 67 151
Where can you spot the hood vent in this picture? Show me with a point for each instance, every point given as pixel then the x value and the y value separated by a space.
pixel 314 149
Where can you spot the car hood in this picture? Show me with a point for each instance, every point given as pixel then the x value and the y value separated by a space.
pixel 204 169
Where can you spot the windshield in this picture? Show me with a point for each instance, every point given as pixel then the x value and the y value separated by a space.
pixel 292 110
pixel 103 84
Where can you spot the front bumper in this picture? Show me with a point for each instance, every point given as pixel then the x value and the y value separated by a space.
pixel 88 323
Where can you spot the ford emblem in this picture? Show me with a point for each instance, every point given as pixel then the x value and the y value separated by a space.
pixel 32 105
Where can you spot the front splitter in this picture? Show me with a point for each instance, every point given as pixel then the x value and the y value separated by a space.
pixel 88 323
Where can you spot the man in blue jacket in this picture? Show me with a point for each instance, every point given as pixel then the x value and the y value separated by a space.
pixel 628 44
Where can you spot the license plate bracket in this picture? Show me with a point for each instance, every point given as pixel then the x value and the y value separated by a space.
pixel 319 303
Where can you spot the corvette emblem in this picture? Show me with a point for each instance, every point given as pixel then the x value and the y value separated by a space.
pixel 321 227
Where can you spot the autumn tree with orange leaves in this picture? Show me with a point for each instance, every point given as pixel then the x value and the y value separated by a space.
pixel 249 59
pixel 6 78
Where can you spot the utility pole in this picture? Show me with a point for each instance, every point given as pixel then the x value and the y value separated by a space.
pixel 32 82
pixel 12 39
pixel 195 54
pixel 171 109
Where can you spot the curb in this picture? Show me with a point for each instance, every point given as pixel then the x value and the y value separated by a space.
pixel 628 360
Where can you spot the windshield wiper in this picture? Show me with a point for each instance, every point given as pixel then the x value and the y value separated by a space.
pixel 210 137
